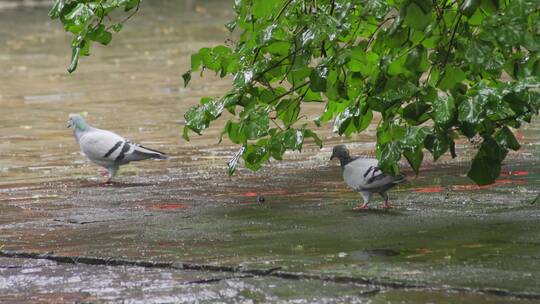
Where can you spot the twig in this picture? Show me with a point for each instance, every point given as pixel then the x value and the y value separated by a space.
pixel 256 55
pixel 128 17
pixel 282 10
pixel 277 125
pixel 372 36
pixel 290 91
pixel 450 46
pixel 292 64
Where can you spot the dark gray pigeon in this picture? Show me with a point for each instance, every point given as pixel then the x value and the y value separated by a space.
pixel 108 149
pixel 363 176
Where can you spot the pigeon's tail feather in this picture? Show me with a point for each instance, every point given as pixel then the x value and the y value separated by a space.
pixel 141 152
pixel 399 179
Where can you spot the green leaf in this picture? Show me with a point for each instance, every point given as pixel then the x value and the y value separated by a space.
pixel 414 112
pixel 57 8
pixel 444 111
pixel 196 61
pixel 318 79
pixel 264 8
pixel 505 138
pixel 415 17
pixel 414 158
pixel 233 163
pixel 437 143
pixel 196 119
pixel 417 59
pixel 130 4
pixel 288 110
pixel 255 155
pixel 313 135
pixel 471 110
pixel 414 137
pixel 187 77
pixel 117 27
pixel 452 76
pixel 388 155
pixel 74 59
pixel 486 165
pixel 468 7
pixel 293 139
pixel 255 123
pixel 78 17
pixel 100 35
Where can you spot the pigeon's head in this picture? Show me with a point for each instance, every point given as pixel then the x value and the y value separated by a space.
pixel 340 152
pixel 76 122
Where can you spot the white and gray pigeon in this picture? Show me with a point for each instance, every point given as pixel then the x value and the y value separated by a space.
pixel 363 176
pixel 108 149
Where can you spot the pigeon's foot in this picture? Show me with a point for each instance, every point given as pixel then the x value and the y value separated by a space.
pixel 361 207
pixel 108 182
pixel 387 205
pixel 103 172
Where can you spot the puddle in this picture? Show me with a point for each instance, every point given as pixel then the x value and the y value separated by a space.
pixel 370 253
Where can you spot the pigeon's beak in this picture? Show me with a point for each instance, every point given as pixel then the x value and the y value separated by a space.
pixel 69 124
pixel 332 157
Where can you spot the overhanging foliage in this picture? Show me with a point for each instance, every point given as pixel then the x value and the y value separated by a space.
pixel 433 70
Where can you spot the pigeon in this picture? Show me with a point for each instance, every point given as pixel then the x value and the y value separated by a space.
pixel 108 149
pixel 363 176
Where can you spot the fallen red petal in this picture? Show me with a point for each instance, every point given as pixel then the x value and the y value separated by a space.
pixel 435 189
pixel 170 206
pixel 249 194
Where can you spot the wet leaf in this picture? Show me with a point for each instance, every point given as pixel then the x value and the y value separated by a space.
pixel 117 27
pixel 288 110
pixel 414 158
pixel 505 138
pixel 313 135
pixel 437 144
pixel 255 154
pixel 57 8
pixel 388 155
pixel 471 110
pixel 486 165
pixel 318 78
pixel 187 77
pixel 415 17
pixel 100 35
pixel 452 76
pixel 444 111
pixel 414 112
pixel 74 59
pixel 469 7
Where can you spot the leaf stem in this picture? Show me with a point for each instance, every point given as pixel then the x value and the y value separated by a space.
pixel 282 10
pixel 372 36
pixel 450 47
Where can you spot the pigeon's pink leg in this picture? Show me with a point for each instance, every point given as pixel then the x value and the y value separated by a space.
pixel 387 205
pixel 361 207
pixel 103 172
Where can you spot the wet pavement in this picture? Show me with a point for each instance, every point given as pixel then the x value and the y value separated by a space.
pixel 182 230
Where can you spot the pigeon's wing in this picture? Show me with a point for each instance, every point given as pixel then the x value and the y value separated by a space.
pixel 135 152
pixel 358 171
pixel 381 182
pixel 101 145
pixel 363 175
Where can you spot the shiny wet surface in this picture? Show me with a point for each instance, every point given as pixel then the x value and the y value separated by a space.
pixel 453 240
